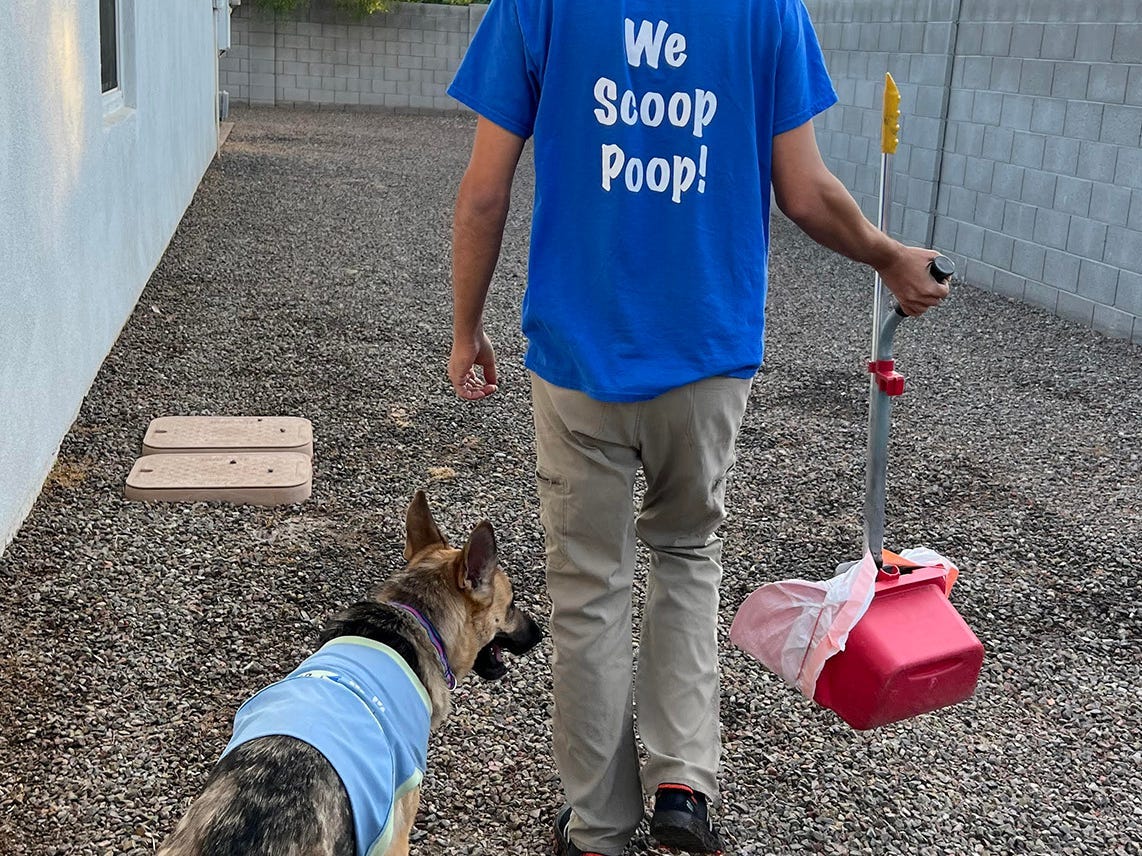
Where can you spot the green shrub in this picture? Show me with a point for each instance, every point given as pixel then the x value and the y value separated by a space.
pixel 362 8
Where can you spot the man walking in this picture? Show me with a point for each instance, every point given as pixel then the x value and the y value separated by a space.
pixel 659 128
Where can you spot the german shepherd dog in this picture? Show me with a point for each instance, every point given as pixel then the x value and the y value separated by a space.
pixel 369 697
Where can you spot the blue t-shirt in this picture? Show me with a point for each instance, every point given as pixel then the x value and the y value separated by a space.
pixel 653 123
pixel 359 704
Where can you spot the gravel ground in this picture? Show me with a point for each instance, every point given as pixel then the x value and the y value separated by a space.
pixel 310 277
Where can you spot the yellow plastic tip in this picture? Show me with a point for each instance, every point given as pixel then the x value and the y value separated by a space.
pixel 890 135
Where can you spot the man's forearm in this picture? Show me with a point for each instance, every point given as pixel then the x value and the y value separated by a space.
pixel 477 235
pixel 827 213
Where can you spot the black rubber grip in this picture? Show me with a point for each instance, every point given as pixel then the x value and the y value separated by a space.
pixel 942 269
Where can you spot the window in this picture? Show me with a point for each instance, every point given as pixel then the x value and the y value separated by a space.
pixel 109 43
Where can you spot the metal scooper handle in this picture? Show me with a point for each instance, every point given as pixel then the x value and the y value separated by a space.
pixel 885 383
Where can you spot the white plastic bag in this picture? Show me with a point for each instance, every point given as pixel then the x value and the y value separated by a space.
pixel 794 626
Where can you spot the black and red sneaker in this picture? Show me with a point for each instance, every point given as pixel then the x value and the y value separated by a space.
pixel 681 820
pixel 562 845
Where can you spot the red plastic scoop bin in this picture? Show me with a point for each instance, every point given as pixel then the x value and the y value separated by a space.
pixel 910 653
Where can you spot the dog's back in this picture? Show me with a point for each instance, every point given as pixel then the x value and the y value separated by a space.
pixel 268 793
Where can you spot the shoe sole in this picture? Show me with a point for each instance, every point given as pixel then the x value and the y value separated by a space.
pixel 677 830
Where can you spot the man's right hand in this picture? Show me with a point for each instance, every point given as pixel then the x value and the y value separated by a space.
pixel 467 354
pixel 907 276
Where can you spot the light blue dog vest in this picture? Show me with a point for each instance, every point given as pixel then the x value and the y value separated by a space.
pixel 360 705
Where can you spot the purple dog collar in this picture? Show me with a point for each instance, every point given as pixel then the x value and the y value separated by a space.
pixel 433 637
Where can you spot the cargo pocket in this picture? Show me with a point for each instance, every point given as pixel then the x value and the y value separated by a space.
pixel 553 490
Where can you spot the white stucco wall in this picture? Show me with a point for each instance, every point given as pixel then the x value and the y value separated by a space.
pixel 88 202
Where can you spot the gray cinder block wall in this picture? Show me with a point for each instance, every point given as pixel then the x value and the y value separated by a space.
pixel 320 55
pixel 1021 144
pixel 1021 141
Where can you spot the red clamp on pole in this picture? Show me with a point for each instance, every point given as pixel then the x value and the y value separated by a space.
pixel 888 380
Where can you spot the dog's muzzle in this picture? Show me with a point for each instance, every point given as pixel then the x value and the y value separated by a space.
pixel 489 662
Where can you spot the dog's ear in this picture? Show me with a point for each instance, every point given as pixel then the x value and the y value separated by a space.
pixel 478 562
pixel 420 530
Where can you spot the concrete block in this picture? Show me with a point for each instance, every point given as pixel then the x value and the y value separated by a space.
pixel 1094 42
pixel 969 38
pixel 998 250
pixel 334 84
pixel 1097 161
pixel 1027 40
pixel 1087 238
pixel 410 62
pixel 399 75
pixel 1039 188
pixel 987 108
pixel 1041 295
pixel 1128 171
pixel 1016 113
pixel 1121 125
pixel 979 174
pixel 1061 155
pixel 1121 249
pixel 944 233
pixel 1097 282
pixel 1073 195
pixel 1134 220
pixel 1061 269
pixel 1059 41
pixel 1071 307
pixel 1134 86
pixel 383 87
pixel 969 139
pixel 977 72
pixel 411 36
pixel 969 240
pixel 1071 80
pixel 1128 296
pixel 961 204
pixel 1113 322
pixel 1028 260
pixel 997 143
pixel 1007 181
pixel 1019 220
pixel 1052 228
pixel 989 215
pixel 1127 43
pixel 1006 73
pixel 1108 83
pixel 347 71
pixel 1008 284
pixel 938 37
pixel 293 94
pixel 997 39
pixel 1048 116
pixel 396 101
pixel 347 98
pixel 1036 77
pixel 1110 204
pixel 1027 150
pixel 960 105
pixel 978 274
pixel 952 170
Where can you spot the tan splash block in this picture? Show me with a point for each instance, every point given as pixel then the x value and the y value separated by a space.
pixel 194 434
pixel 242 478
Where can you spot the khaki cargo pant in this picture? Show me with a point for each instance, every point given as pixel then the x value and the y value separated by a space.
pixel 587 456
